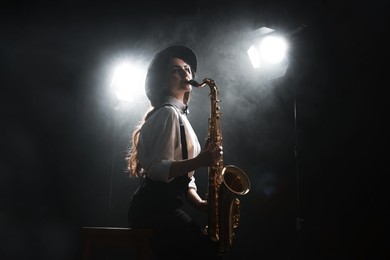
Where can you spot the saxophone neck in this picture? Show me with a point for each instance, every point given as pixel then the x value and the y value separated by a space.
pixel 206 81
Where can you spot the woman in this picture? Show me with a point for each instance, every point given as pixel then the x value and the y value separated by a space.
pixel 165 153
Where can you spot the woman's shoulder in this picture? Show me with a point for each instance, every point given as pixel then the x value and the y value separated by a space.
pixel 167 109
pixel 164 113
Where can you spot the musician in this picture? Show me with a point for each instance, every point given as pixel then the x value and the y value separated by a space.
pixel 165 153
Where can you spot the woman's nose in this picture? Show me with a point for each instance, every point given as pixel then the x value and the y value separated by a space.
pixel 184 74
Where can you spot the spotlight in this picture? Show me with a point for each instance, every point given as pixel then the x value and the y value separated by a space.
pixel 268 53
pixel 128 82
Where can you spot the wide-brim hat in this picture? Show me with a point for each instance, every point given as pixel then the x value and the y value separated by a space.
pixel 153 83
pixel 176 51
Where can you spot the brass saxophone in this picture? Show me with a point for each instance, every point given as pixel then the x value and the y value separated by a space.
pixel 225 183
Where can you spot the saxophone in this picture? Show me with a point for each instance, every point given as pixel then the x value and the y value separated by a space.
pixel 225 183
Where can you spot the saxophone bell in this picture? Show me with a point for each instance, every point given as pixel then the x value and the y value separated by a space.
pixel 236 180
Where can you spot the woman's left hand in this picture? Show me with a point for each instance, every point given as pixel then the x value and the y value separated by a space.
pixel 202 205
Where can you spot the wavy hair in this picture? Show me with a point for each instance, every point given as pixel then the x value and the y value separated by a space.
pixel 133 166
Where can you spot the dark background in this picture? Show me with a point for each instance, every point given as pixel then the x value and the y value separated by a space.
pixel 64 140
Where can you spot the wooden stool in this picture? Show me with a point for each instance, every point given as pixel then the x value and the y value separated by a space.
pixel 116 236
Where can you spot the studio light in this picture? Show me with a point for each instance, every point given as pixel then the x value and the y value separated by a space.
pixel 268 53
pixel 128 81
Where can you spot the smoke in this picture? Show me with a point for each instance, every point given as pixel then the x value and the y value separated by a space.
pixel 254 116
pixel 93 130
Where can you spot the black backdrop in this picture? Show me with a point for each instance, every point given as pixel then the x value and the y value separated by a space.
pixel 63 143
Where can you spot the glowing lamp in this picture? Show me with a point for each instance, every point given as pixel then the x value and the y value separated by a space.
pixel 128 82
pixel 268 53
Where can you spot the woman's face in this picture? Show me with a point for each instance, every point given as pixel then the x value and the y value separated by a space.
pixel 179 74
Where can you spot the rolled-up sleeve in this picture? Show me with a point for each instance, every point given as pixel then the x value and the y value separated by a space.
pixel 192 183
pixel 159 143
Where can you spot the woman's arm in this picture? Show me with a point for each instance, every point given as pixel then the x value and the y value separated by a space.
pixel 195 200
pixel 206 158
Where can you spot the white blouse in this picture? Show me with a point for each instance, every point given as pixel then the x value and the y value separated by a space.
pixel 159 142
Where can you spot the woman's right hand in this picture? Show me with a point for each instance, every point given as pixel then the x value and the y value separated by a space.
pixel 210 154
pixel 207 157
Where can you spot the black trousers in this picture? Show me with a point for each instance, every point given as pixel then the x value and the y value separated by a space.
pixel 176 234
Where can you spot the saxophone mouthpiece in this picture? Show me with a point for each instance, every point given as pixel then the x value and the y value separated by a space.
pixel 193 83
pixel 196 84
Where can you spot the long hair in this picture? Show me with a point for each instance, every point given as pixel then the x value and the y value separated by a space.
pixel 133 165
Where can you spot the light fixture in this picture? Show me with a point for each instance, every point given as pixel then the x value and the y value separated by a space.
pixel 268 53
pixel 128 81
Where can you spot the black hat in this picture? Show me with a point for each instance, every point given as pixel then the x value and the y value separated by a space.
pixel 153 81
pixel 176 51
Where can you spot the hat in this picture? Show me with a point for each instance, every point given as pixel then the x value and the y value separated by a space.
pixel 176 51
pixel 153 78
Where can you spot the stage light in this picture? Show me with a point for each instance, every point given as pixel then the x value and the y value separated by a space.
pixel 268 52
pixel 273 49
pixel 128 82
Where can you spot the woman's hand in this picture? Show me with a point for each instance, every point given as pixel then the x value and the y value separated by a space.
pixel 207 157
pixel 202 205
pixel 210 154
pixel 196 200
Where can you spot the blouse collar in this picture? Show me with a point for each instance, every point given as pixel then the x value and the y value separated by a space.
pixel 177 103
